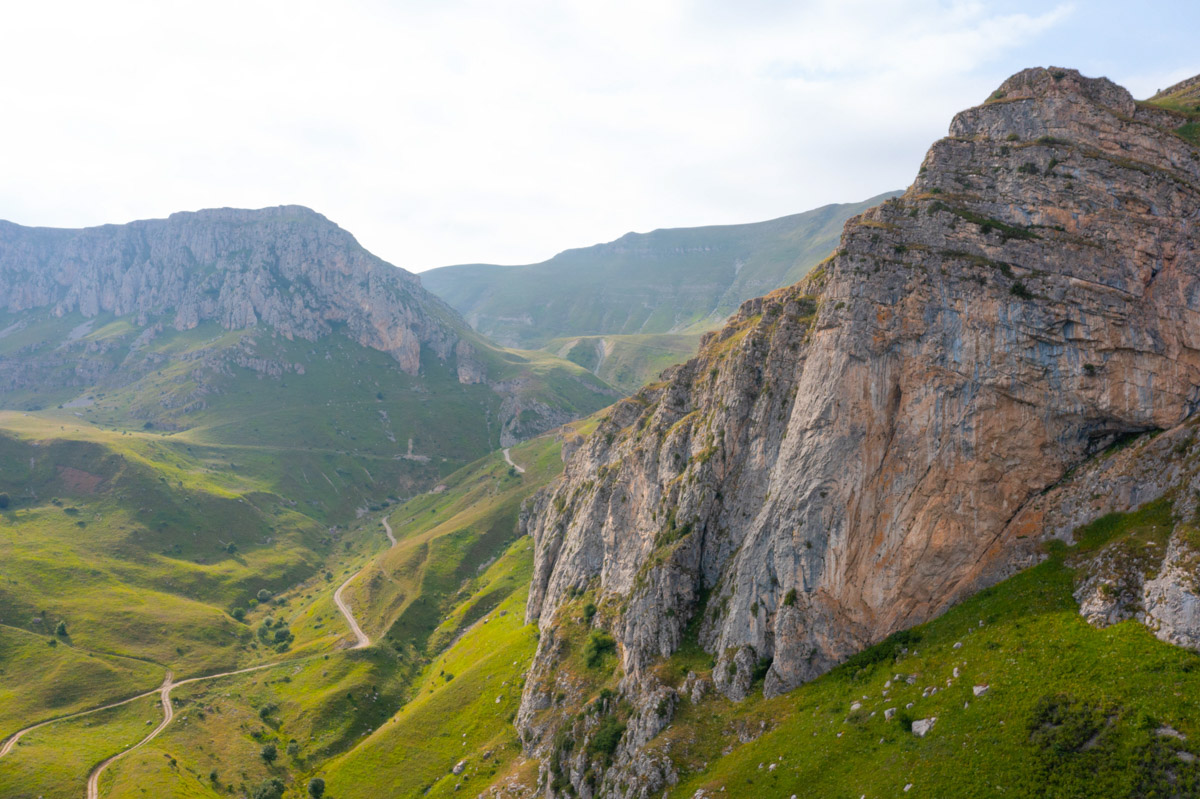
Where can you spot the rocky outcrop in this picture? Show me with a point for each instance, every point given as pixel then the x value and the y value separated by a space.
pixel 287 268
pixel 851 455
pixel 284 271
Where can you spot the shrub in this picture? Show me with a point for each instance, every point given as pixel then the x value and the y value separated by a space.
pixel 293 748
pixel 316 788
pixel 61 629
pixel 790 598
pixel 589 612
pixel 264 595
pixel 269 753
pixel 1019 290
pixel 270 788
pixel 599 644
pixel 607 737
pixel 4 501
pixel 238 613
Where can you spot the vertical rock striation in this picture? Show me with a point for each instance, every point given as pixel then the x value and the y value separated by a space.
pixel 287 268
pixel 852 454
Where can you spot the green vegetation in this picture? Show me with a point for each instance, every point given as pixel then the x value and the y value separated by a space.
pixel 631 292
pixel 1070 710
pixel 54 761
pixel 626 362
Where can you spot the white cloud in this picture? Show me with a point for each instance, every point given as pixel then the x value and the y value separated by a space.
pixel 452 131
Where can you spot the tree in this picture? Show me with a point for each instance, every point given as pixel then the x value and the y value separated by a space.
pixel 264 595
pixel 316 788
pixel 269 753
pixel 270 788
pixel 293 748
pixel 61 629
pixel 238 613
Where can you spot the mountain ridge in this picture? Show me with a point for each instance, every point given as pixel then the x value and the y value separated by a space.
pixel 606 289
pixel 851 455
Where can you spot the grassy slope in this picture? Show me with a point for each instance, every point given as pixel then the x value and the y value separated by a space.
pixel 1183 101
pixel 1071 710
pixel 444 541
pixel 55 761
pixel 665 281
pixel 463 706
pixel 327 422
pixel 43 680
pixel 330 701
pixel 627 362
pixel 137 565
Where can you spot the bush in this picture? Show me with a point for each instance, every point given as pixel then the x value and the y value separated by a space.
pixel 238 613
pixel 264 595
pixel 4 501
pixel 589 612
pixel 1020 290
pixel 599 644
pixel 293 748
pixel 61 629
pixel 269 753
pixel 316 788
pixel 607 737
pixel 271 788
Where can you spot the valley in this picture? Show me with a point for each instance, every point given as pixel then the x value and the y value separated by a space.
pixel 899 498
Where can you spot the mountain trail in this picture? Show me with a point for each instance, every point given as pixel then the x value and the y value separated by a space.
pixel 508 457
pixel 168 684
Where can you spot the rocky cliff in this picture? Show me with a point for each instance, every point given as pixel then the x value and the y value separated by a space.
pixel 288 272
pixel 287 268
pixel 851 455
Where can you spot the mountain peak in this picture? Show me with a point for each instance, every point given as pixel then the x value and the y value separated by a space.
pixel 248 215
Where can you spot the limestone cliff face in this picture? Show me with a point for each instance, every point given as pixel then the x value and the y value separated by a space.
pixel 287 268
pixel 853 454
pixel 286 271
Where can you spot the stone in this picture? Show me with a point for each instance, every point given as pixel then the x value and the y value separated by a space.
pixel 459 767
pixel 980 690
pixel 921 727
pixel 888 713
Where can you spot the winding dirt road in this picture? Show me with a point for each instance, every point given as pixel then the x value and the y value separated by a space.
pixel 362 640
pixel 164 691
pixel 93 786
pixel 508 458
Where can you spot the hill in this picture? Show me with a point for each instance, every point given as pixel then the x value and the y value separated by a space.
pixel 628 308
pixel 270 331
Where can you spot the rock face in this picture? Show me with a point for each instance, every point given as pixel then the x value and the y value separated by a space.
pixel 851 455
pixel 287 268
pixel 285 271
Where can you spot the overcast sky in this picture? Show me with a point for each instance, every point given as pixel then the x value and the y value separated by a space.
pixel 442 132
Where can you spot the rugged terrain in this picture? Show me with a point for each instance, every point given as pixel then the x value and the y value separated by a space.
pixel 852 455
pixel 168 322
pixel 628 308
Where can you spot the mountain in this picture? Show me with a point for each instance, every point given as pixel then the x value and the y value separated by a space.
pixel 629 308
pixel 265 329
pixel 852 455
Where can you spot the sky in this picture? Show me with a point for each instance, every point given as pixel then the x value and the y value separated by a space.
pixel 461 131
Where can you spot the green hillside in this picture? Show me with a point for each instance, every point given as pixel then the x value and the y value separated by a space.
pixel 626 362
pixel 154 559
pixel 667 281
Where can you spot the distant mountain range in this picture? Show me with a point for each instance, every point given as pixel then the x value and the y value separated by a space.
pixel 627 309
